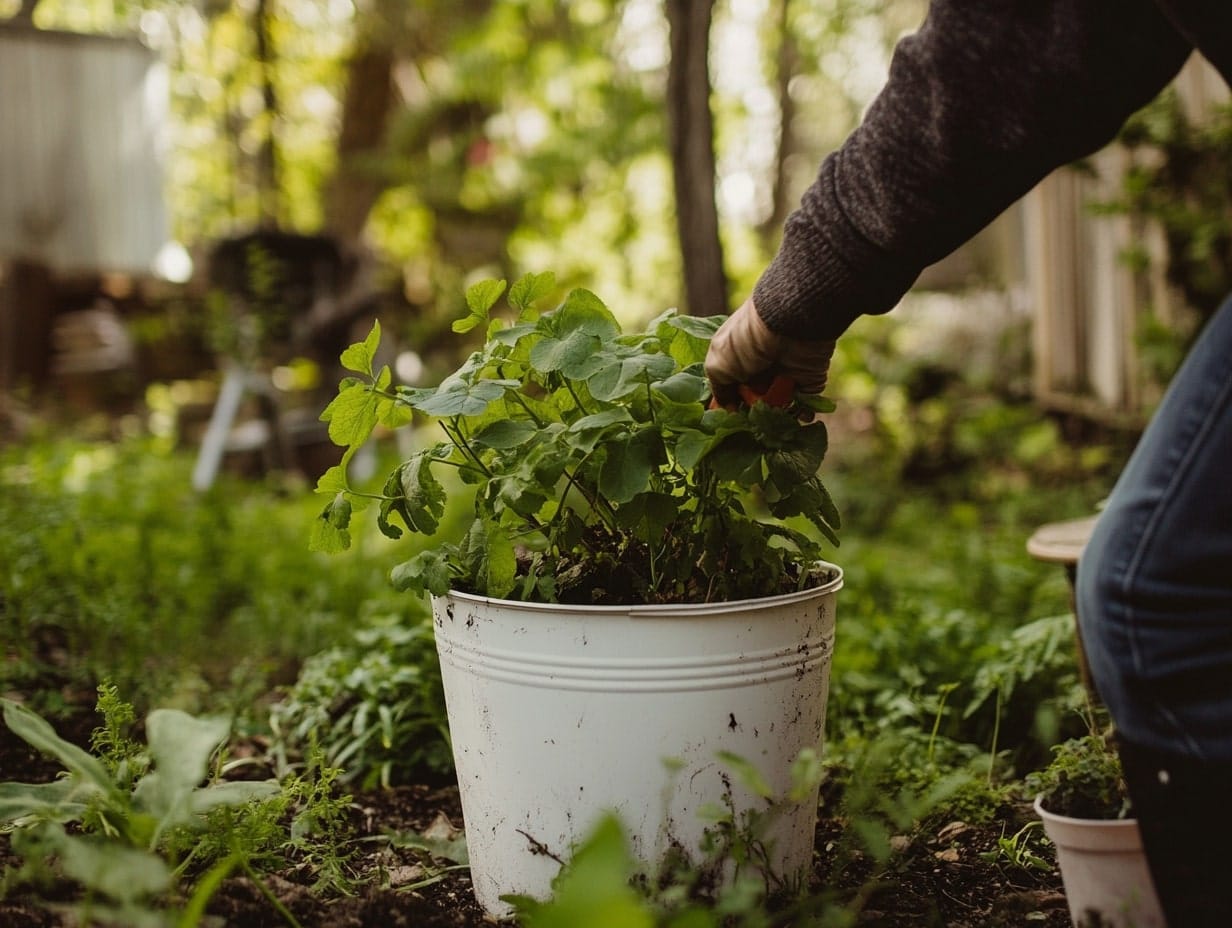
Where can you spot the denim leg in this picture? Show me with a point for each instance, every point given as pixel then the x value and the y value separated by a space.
pixel 1154 587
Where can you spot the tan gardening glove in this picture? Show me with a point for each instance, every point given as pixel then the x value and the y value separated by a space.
pixel 745 352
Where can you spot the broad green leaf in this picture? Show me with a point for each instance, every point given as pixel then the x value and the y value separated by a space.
pixel 585 433
pixel 601 420
pixel 181 745
pixel 504 434
pixel 333 481
pixel 573 354
pixel 488 558
pixel 819 404
pixel 427 572
pixel 583 312
pixel 394 413
pixel 358 357
pixel 529 289
pixel 546 459
pixel 466 323
pixel 53 801
pixel 511 335
pixel 630 464
pixel 521 491
pixel 351 415
pixel 106 869
pixel 812 500
pixel 688 337
pixel 789 466
pixel 330 533
pixel 482 296
pixel 700 327
pixel 593 889
pixel 456 398
pixel 670 414
pixel 413 492
pixel 231 793
pixel 616 381
pixel 684 387
pixel 36 732
pixel 689 448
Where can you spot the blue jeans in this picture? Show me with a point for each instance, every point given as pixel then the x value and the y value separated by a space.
pixel 1154 587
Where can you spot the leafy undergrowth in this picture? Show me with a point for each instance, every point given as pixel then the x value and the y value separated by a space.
pixel 187 831
pixel 941 878
pixel 953 677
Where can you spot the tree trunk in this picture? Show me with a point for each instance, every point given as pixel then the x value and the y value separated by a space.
pixel 25 12
pixel 691 133
pixel 786 63
pixel 366 109
pixel 268 198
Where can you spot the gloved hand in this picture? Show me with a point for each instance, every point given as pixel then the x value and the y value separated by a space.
pixel 745 351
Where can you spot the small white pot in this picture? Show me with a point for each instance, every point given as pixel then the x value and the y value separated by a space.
pixel 1104 869
pixel 560 713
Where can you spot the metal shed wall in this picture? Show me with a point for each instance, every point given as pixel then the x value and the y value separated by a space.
pixel 81 150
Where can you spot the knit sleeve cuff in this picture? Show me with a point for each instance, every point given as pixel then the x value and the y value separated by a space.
pixel 824 277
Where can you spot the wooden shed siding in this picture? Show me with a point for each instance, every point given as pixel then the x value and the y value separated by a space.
pixel 1087 301
pixel 81 157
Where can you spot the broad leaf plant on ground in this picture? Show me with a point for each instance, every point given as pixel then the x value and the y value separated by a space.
pixel 601 474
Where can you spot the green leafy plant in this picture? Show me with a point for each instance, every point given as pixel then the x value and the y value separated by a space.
pixel 122 821
pixel 374 708
pixel 112 567
pixel 1022 849
pixel 1084 780
pixel 133 829
pixel 600 474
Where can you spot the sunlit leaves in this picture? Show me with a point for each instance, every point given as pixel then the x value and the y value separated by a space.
pixel 480 299
pixel 622 376
pixel 457 397
pixel 504 434
pixel 589 446
pixel 358 357
pixel 529 290
pixel 573 354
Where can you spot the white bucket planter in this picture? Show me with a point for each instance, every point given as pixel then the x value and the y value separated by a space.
pixel 558 714
pixel 1104 869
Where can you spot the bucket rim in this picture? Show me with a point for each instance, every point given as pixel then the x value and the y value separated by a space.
pixel 1111 823
pixel 667 610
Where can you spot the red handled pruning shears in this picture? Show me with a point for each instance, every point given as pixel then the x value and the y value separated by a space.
pixel 778 390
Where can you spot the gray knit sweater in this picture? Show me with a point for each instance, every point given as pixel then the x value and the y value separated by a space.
pixel 981 103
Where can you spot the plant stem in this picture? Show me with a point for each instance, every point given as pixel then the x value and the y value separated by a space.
pixel 530 412
pixel 996 732
pixel 269 895
pixel 577 399
pixel 454 431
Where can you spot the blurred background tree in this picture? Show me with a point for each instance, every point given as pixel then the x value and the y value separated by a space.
pixel 479 136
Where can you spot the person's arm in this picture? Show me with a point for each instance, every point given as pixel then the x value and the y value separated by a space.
pixel 981 103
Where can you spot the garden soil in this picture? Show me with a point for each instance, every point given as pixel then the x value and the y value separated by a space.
pixel 935 879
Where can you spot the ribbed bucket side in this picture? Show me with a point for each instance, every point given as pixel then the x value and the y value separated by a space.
pixel 560 714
